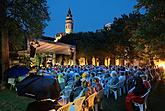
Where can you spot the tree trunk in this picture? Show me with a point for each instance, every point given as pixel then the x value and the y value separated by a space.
pixel 63 59
pixel 152 62
pixel 112 61
pixel 121 62
pixel 131 62
pixel 101 61
pixel 89 60
pixel 77 62
pixel 86 61
pixel 107 61
pixel 4 59
pixel 28 40
pixel 95 61
pixel 5 56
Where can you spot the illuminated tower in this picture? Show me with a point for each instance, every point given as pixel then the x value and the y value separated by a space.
pixel 69 23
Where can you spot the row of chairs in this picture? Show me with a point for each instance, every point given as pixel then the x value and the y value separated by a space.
pixel 77 104
pixel 120 86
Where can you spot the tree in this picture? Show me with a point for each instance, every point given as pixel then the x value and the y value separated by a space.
pixel 150 36
pixel 120 34
pixel 27 17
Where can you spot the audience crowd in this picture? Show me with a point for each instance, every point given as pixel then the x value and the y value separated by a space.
pixel 77 81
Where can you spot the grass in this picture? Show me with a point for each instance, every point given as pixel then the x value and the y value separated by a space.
pixel 157 97
pixel 9 101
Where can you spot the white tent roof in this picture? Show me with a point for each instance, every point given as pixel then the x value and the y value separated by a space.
pixel 52 47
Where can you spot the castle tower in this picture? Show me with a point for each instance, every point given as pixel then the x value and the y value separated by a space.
pixel 69 23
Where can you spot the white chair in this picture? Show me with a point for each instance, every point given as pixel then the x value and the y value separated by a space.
pixel 118 87
pixel 66 94
pixel 114 89
pixel 106 90
pixel 70 84
pixel 121 86
pixel 11 81
pixel 143 106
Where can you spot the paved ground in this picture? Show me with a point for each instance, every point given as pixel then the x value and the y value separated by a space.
pixel 155 100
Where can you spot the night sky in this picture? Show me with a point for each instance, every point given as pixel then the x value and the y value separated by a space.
pixel 88 15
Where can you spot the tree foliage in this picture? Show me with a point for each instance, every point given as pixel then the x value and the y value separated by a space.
pixel 21 17
pixel 25 15
pixel 150 34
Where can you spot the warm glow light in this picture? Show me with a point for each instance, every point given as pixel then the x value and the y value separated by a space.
pixel 117 62
pixel 93 61
pixel 82 61
pixel 162 64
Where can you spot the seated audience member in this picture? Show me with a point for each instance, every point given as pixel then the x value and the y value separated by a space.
pixel 84 75
pixel 77 88
pixel 122 76
pixel 87 89
pixel 145 82
pixel 114 80
pixel 90 79
pixel 77 81
pixel 98 85
pixel 135 94
pixel 130 81
pixel 61 81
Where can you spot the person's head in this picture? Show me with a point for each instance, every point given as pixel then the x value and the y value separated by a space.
pixel 113 73
pixel 92 74
pixel 84 75
pixel 144 77
pixel 138 81
pixel 77 77
pixel 60 75
pixel 85 83
pixel 122 73
pixel 96 80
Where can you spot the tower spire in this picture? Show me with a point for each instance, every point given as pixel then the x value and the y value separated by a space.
pixel 69 12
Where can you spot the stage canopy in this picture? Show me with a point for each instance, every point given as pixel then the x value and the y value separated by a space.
pixel 53 47
pixel 47 45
